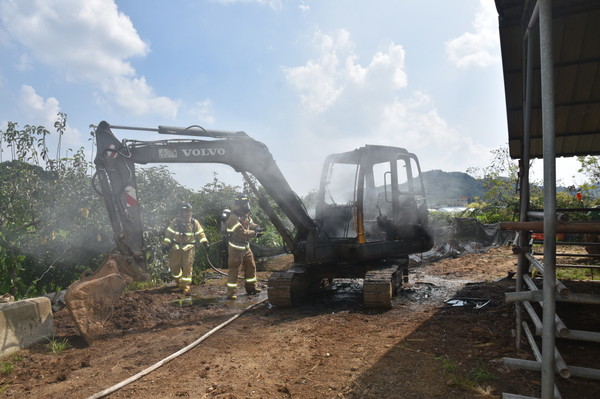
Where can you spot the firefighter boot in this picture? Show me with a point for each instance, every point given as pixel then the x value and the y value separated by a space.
pixel 252 289
pixel 186 289
pixel 177 284
pixel 231 293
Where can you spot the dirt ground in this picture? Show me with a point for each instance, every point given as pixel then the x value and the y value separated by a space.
pixel 331 347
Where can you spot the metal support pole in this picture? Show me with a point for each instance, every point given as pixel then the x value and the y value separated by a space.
pixel 522 264
pixel 549 137
pixel 561 289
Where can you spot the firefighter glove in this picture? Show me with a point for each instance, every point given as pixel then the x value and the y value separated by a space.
pixel 205 245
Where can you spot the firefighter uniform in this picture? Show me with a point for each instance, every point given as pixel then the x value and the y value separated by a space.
pixel 181 237
pixel 240 229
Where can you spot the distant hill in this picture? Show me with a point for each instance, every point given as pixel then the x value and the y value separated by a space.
pixel 445 188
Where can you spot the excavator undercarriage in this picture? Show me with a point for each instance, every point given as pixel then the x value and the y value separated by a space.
pixel 380 283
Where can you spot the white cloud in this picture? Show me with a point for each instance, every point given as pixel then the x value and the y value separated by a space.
pixel 348 105
pixel 202 111
pixel 37 108
pixel 304 8
pixel 416 125
pixel 477 48
pixel 274 4
pixel 335 75
pixel 137 96
pixel 44 112
pixel 87 41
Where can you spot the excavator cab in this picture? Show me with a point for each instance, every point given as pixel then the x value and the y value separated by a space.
pixel 374 194
pixel 371 215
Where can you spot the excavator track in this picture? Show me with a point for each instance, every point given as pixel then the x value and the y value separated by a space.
pixel 287 287
pixel 380 285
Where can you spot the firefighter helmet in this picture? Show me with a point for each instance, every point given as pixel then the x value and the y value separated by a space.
pixel 225 214
pixel 185 206
pixel 241 204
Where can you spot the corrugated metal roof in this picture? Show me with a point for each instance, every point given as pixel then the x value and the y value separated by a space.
pixel 576 53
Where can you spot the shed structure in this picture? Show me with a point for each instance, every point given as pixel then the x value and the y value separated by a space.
pixel 551 68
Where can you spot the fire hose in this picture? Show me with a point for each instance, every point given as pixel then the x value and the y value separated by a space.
pixel 221 272
pixel 142 373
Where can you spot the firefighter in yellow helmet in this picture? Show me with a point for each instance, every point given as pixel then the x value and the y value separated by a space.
pixel 181 237
pixel 241 228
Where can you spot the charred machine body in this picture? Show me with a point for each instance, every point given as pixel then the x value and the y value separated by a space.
pixel 371 214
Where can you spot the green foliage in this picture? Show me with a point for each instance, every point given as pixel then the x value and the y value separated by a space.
pixel 6 367
pixel 468 380
pixel 501 200
pixel 440 218
pixel 144 285
pixel 50 219
pixel 590 166
pixel 57 347
pixel 12 263
pixel 584 273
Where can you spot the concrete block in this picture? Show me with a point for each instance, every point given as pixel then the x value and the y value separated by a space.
pixel 24 323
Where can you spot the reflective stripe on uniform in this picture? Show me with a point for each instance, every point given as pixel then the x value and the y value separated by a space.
pixel 177 276
pixel 183 248
pixel 189 234
pixel 167 239
pixel 186 279
pixel 204 240
pixel 235 226
pixel 231 285
pixel 236 246
pixel 251 280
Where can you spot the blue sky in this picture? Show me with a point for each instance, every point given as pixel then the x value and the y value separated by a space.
pixel 305 77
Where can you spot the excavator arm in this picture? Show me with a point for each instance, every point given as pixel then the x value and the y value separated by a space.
pixel 115 164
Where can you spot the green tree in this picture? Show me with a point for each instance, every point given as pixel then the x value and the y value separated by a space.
pixel 590 166
pixel 50 226
pixel 500 181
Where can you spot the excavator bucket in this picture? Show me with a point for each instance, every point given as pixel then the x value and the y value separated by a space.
pixel 91 299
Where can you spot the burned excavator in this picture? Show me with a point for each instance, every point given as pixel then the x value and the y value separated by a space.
pixel 370 216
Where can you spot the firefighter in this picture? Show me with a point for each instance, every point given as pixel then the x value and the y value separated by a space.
pixel 181 237
pixel 240 228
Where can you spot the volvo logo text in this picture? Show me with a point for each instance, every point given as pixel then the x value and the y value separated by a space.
pixel 202 152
